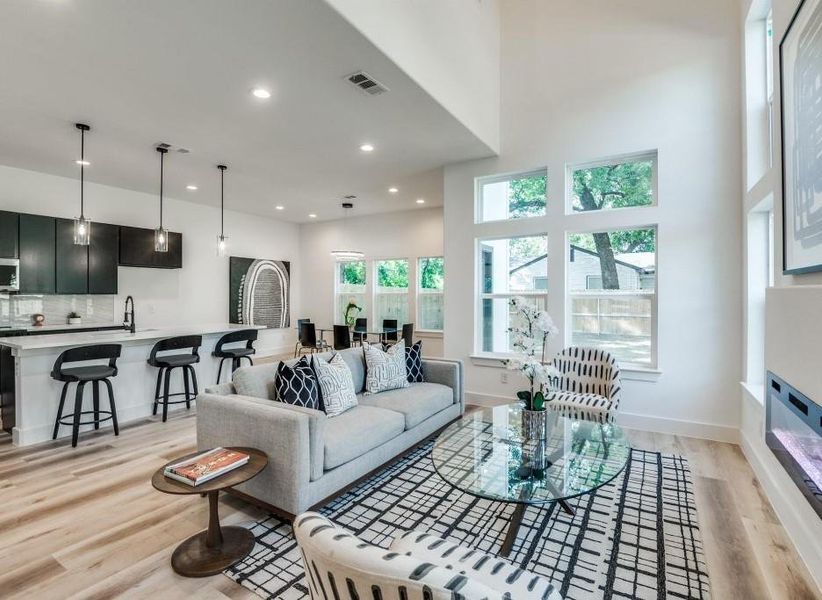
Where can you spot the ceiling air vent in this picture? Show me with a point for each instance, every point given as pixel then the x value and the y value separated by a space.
pixel 366 83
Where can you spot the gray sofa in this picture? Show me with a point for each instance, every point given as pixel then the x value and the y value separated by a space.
pixel 313 457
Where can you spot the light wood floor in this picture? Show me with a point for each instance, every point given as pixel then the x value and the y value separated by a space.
pixel 86 523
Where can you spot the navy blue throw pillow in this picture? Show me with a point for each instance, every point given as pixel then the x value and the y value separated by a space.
pixel 413 363
pixel 297 385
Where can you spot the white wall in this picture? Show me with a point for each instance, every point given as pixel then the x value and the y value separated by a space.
pixel 586 80
pixel 409 234
pixel 197 293
pixel 450 48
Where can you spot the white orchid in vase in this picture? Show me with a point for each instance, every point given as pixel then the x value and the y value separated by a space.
pixel 531 329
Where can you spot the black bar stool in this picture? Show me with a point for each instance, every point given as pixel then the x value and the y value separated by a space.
pixel 81 376
pixel 235 354
pixel 168 362
pixel 299 328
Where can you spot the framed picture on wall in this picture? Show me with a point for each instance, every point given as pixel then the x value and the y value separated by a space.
pixel 259 292
pixel 800 60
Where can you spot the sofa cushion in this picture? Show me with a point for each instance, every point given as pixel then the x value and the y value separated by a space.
pixel 358 430
pixel 336 387
pixel 416 402
pixel 297 385
pixel 356 364
pixel 256 381
pixel 384 369
pixel 413 363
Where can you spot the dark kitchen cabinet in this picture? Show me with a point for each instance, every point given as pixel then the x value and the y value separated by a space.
pixel 103 258
pixel 72 260
pixel 37 254
pixel 9 222
pixel 137 249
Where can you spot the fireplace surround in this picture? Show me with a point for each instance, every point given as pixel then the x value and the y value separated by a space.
pixel 793 432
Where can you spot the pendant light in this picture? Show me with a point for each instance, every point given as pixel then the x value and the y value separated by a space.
pixel 82 225
pixel 222 240
pixel 347 254
pixel 160 234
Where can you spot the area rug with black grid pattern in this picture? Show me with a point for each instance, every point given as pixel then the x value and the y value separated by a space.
pixel 636 537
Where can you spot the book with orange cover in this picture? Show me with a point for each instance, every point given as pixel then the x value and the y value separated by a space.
pixel 206 466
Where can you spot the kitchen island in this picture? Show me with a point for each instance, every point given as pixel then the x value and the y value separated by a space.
pixel 28 360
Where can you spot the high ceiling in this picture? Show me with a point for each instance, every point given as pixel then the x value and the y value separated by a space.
pixel 181 72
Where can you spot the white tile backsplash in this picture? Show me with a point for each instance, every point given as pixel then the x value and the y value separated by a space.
pixel 16 310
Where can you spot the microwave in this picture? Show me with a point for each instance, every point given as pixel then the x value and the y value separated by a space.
pixel 9 275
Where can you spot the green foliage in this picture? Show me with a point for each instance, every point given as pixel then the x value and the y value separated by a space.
pixel 432 273
pixel 349 315
pixel 622 241
pixel 527 197
pixel 352 273
pixel 392 273
pixel 524 249
pixel 613 186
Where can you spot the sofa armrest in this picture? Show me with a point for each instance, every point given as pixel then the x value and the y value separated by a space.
pixel 446 372
pixel 283 434
pixel 221 389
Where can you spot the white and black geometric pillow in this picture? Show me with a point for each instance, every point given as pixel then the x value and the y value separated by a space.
pixel 413 363
pixel 385 369
pixel 336 384
pixel 297 385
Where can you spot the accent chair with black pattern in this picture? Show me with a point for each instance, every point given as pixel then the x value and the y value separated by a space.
pixel 588 386
pixel 418 566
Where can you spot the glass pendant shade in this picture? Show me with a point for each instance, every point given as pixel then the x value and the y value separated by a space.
pixel 160 240
pixel 82 231
pixel 222 245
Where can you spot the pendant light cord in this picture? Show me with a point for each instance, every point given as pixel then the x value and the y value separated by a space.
pixel 162 160
pixel 82 171
pixel 222 203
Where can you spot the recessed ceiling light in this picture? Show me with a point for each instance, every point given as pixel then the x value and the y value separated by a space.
pixel 393 190
pixel 420 201
pixel 191 187
pixel 278 207
pixel 367 148
pixel 85 163
pixel 312 216
pixel 261 93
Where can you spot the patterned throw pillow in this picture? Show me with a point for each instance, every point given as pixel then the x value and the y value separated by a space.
pixel 385 370
pixel 297 385
pixel 413 363
pixel 336 384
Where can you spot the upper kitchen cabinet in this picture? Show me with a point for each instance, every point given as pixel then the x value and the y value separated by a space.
pixel 137 249
pixel 37 254
pixel 9 223
pixel 72 260
pixel 103 258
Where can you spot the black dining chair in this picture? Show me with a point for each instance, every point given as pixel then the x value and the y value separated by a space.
pixel 308 340
pixel 93 374
pixel 390 336
pixel 408 334
pixel 360 328
pixel 342 337
pixel 168 362
pixel 249 336
pixel 299 326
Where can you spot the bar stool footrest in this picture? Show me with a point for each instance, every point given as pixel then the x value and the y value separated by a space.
pixel 69 421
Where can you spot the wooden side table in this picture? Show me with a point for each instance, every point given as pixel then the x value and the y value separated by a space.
pixel 217 548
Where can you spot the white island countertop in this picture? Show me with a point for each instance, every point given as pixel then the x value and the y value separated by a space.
pixel 24 344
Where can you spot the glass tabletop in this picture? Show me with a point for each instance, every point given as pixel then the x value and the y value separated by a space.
pixel 486 455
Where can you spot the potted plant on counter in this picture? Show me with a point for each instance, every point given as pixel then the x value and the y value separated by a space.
pixel 530 331
pixel 74 318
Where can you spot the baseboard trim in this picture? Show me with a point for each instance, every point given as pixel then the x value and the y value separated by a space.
pixel 695 429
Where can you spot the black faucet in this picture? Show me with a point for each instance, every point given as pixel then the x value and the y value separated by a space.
pixel 128 317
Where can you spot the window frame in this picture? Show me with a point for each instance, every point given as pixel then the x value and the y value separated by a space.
pixel 337 318
pixel 422 292
pixel 478 196
pixel 568 316
pixel 481 296
pixel 374 318
pixel 618 159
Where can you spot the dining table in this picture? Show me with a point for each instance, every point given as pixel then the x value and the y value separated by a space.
pixel 380 333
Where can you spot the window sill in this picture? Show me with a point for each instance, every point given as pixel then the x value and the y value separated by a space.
pixel 428 333
pixel 629 373
pixel 755 391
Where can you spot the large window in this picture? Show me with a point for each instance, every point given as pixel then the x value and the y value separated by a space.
pixel 621 183
pixel 508 267
pixel 512 196
pixel 350 289
pixel 612 289
pixel 391 291
pixel 431 277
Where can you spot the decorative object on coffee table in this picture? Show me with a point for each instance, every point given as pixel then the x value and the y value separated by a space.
pixel 531 330
pixel 217 548
pixel 74 318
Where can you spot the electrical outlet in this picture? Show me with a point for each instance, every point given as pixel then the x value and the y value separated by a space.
pixel 503 377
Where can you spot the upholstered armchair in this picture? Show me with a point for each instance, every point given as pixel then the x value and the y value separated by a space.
pixel 588 386
pixel 418 566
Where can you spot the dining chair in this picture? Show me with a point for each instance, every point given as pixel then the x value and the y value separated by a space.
pixel 408 334
pixel 299 326
pixel 342 337
pixel 391 336
pixel 362 325
pixel 308 340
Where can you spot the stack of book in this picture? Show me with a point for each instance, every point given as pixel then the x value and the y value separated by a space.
pixel 206 466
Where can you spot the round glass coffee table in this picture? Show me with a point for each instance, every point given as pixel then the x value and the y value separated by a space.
pixel 486 455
